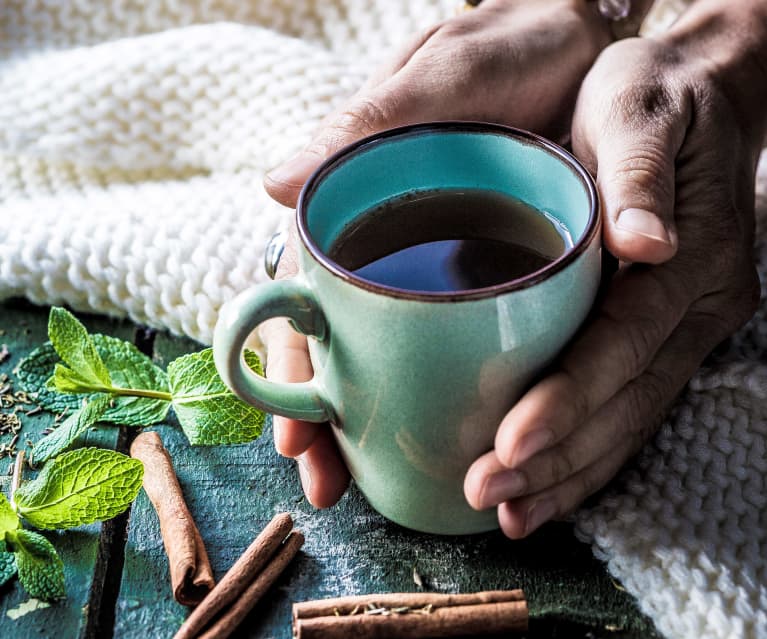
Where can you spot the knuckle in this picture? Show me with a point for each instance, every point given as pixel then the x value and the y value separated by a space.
pixel 645 169
pixel 589 482
pixel 644 405
pixel 647 102
pixel 743 299
pixel 577 399
pixel 640 339
pixel 364 117
pixel 560 465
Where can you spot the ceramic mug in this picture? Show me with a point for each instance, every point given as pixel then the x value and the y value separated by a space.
pixel 415 384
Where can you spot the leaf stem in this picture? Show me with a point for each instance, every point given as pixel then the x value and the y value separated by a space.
pixel 16 481
pixel 140 392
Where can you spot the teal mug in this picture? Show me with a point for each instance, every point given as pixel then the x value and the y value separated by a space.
pixel 414 384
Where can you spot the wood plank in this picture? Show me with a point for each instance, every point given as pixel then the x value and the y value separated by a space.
pixel 23 327
pixel 234 491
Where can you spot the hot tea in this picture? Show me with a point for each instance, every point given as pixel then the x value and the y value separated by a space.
pixel 449 240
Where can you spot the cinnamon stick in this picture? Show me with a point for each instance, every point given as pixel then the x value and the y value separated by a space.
pixel 411 616
pixel 190 573
pixel 239 576
pixel 345 605
pixel 232 618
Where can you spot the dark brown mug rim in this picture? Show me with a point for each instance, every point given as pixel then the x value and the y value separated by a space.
pixel 531 279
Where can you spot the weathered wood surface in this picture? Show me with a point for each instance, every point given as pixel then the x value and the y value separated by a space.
pixel 23 328
pixel 234 491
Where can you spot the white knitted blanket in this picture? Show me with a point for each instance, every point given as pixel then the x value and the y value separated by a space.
pixel 133 140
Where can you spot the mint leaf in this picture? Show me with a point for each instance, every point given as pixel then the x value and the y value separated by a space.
pixel 32 375
pixel 7 563
pixel 207 410
pixel 76 349
pixel 41 570
pixel 80 487
pixel 74 426
pixel 128 367
pixel 9 520
pixel 65 380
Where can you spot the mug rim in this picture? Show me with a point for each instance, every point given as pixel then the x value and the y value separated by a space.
pixel 451 126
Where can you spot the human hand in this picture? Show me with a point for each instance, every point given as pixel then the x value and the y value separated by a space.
pixel 672 129
pixel 518 62
pixel 515 62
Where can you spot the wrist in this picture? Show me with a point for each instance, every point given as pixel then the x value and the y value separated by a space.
pixel 727 42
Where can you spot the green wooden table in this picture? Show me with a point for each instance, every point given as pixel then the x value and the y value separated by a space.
pixel 117 572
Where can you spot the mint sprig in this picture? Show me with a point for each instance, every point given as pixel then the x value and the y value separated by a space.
pixel 83 364
pixel 79 487
pixel 128 368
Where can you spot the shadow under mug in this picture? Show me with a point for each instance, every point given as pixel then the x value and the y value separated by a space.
pixel 415 384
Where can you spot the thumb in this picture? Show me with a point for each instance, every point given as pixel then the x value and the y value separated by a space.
pixel 368 112
pixel 380 104
pixel 634 156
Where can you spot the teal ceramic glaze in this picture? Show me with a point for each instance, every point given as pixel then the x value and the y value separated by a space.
pixel 415 384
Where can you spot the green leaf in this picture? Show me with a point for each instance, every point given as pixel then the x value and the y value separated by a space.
pixel 74 426
pixel 9 520
pixel 80 487
pixel 41 570
pixel 208 411
pixel 32 375
pixel 65 380
pixel 76 348
pixel 129 368
pixel 7 563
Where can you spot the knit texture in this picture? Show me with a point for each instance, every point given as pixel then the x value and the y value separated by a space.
pixel 133 142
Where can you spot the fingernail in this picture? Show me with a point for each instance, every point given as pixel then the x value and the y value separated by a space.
pixel 539 513
pixel 501 486
pixel 305 475
pixel 643 223
pixel 531 444
pixel 296 170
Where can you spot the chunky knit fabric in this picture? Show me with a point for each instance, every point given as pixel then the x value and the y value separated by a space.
pixel 133 141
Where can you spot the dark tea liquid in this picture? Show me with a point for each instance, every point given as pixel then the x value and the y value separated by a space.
pixel 449 240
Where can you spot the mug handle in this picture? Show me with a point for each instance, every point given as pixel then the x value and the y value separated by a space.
pixel 238 318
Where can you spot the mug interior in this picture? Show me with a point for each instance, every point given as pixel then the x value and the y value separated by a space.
pixel 447 155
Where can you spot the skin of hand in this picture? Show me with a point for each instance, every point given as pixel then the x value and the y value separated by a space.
pixel 672 128
pixel 518 62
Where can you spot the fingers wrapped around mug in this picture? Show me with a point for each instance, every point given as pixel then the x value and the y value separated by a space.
pixel 693 177
pixel 515 63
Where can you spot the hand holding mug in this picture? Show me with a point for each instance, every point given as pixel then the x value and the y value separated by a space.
pixel 414 375
pixel 673 136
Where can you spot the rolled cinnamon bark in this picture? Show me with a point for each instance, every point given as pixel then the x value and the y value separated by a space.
pixel 190 572
pixel 232 617
pixel 239 576
pixel 413 600
pixel 413 616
